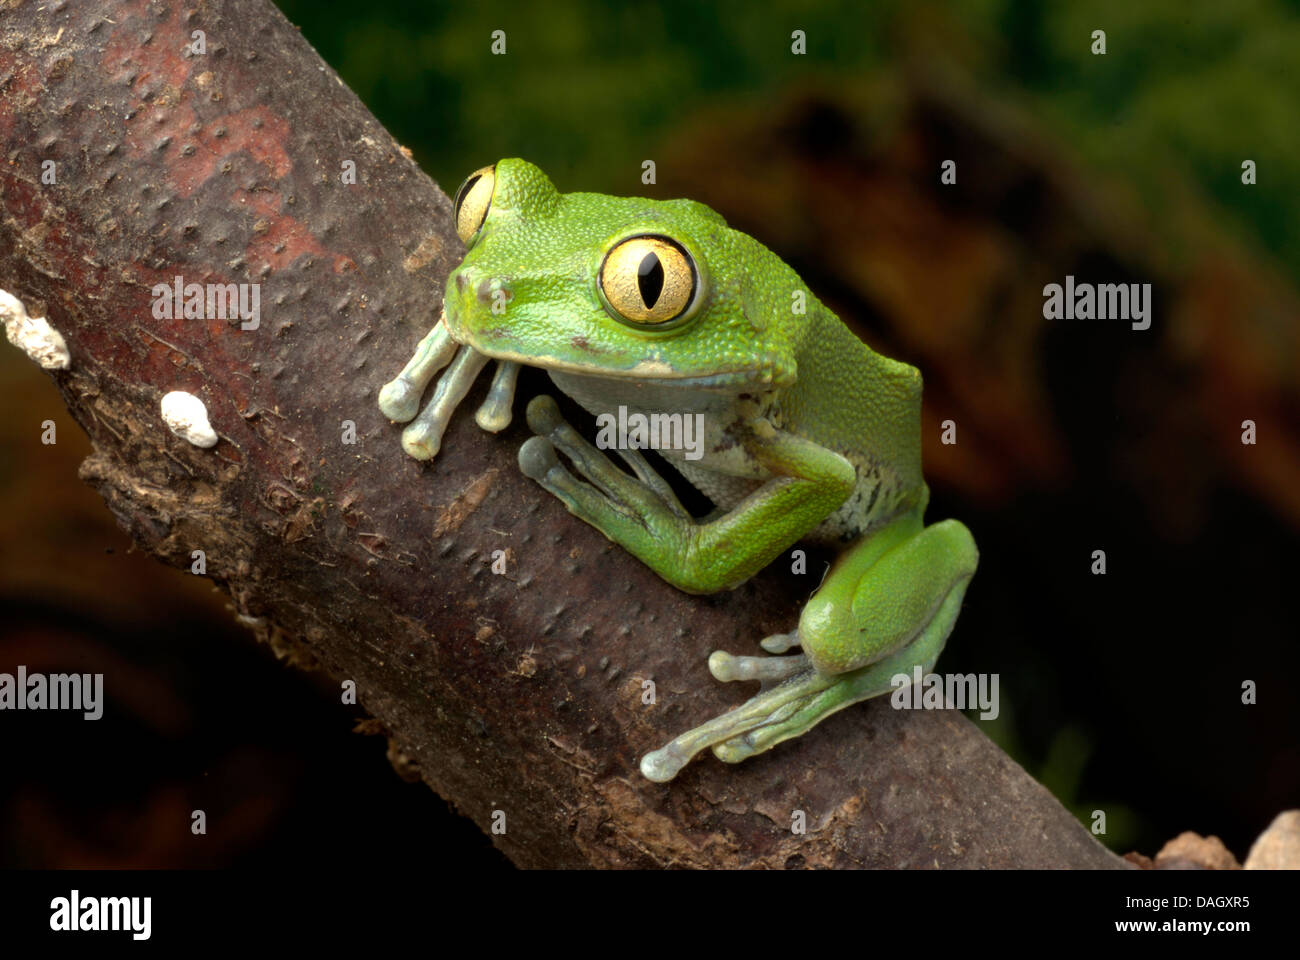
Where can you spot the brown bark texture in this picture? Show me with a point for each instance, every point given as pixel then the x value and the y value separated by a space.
pixel 519 692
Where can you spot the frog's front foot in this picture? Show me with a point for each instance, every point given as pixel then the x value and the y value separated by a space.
pixel 400 398
pixel 628 510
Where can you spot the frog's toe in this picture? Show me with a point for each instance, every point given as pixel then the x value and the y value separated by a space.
pixel 727 668
pixel 537 458
pixel 660 766
pixel 780 642
pixel 399 400
pixel 545 419
pixel 494 415
pixel 626 494
pixel 422 438
pixel 647 475
pixel 544 416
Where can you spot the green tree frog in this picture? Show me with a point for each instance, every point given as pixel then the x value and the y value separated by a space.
pixel 657 306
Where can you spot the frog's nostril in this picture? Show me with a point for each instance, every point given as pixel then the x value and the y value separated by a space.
pixel 460 282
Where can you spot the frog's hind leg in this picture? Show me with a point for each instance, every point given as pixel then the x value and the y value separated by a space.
pixel 886 608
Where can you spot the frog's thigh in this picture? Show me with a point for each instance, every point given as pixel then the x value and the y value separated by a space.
pixel 857 642
pixel 875 603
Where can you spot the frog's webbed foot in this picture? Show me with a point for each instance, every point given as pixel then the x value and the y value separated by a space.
pixel 400 398
pixel 611 501
pixel 794 697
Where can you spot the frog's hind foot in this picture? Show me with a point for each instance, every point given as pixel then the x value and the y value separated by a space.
pixel 783 711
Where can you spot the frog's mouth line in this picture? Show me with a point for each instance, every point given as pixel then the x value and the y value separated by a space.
pixel 763 377
pixel 645 370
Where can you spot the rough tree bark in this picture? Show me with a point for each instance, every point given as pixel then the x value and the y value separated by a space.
pixel 518 692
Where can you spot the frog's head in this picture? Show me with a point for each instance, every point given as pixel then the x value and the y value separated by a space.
pixel 617 286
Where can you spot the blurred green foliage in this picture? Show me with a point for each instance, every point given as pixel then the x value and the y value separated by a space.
pixel 587 90
pixel 583 85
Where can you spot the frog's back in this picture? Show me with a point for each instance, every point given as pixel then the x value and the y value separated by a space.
pixel 865 406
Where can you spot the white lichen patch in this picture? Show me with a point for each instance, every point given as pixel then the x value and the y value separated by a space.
pixel 33 335
pixel 187 417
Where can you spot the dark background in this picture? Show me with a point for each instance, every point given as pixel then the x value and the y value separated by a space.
pixel 1120 693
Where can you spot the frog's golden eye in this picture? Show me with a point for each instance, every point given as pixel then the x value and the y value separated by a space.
pixel 472 202
pixel 648 280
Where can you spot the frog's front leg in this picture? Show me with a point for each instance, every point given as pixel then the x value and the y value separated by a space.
pixel 400 398
pixel 642 516
pixel 886 608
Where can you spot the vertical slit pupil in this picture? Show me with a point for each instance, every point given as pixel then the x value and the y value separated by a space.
pixel 650 279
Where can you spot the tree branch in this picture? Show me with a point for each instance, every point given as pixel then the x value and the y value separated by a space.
pixel 519 693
